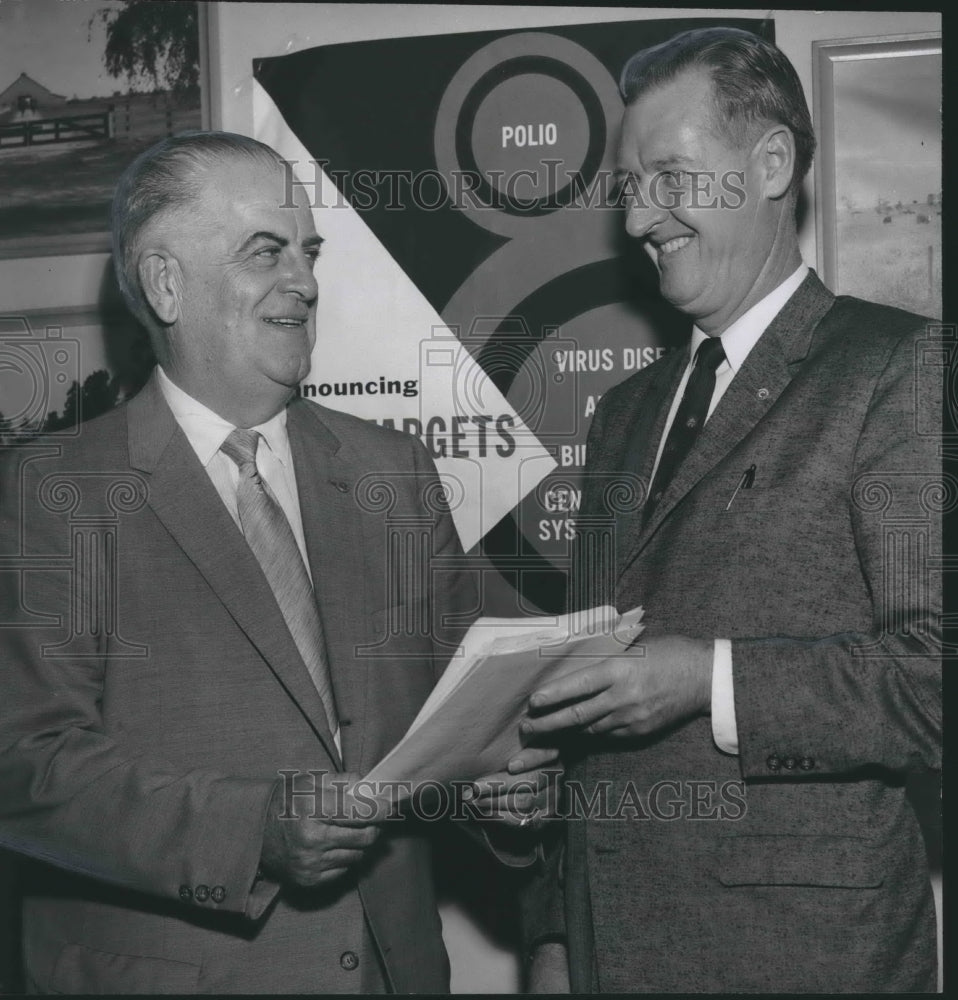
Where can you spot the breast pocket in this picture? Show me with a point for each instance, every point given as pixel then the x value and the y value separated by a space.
pixel 775 495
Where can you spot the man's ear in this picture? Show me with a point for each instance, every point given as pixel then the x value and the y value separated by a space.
pixel 159 273
pixel 776 150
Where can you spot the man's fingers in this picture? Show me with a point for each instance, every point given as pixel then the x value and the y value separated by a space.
pixel 356 837
pixel 314 878
pixel 514 809
pixel 504 783
pixel 341 858
pixel 313 871
pixel 342 805
pixel 576 716
pixel 575 686
pixel 330 875
pixel 609 723
pixel 526 803
pixel 532 758
pixel 359 818
pixel 321 862
pixel 359 837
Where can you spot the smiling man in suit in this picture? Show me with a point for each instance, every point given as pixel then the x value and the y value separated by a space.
pixel 789 676
pixel 191 697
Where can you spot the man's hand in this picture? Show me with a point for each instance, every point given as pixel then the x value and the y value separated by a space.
pixel 311 845
pixel 660 681
pixel 525 794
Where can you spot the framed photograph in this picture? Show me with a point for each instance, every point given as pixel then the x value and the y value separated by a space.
pixel 878 176
pixel 85 87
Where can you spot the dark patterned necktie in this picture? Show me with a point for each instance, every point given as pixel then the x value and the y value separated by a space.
pixel 688 422
pixel 271 538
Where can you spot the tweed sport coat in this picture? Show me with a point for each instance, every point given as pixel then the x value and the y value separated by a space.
pixel 137 758
pixel 797 865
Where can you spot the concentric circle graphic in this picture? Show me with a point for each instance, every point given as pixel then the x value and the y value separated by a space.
pixel 525 119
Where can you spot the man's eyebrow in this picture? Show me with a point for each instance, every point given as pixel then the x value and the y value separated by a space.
pixel 263 235
pixel 310 241
pixel 671 161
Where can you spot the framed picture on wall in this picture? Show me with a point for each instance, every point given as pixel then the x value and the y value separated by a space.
pixel 878 175
pixel 84 88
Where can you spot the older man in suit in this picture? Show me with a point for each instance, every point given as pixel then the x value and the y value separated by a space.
pixel 738 818
pixel 207 633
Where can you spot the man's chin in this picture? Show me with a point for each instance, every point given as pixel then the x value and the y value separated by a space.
pixel 293 374
pixel 674 293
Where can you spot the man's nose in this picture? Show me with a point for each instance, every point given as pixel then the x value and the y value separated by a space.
pixel 299 278
pixel 641 217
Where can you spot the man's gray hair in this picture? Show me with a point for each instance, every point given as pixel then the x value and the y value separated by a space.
pixel 165 177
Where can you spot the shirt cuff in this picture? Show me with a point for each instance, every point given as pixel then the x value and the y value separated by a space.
pixel 724 727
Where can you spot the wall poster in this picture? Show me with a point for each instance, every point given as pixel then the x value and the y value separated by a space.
pixel 477 288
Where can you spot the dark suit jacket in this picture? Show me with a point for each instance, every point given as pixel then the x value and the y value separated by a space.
pixel 137 753
pixel 798 864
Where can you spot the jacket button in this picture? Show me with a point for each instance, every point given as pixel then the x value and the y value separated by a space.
pixel 349 960
pixel 201 893
pixel 186 893
pixel 217 894
pixel 789 763
pixel 807 763
pixel 773 763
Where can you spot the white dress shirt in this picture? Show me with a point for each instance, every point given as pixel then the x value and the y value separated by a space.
pixel 737 341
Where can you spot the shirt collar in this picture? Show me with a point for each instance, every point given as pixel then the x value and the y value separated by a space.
pixel 206 431
pixel 742 335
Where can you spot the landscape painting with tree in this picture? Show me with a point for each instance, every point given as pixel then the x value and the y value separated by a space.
pixel 84 88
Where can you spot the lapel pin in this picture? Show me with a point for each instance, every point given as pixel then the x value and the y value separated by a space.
pixel 762 394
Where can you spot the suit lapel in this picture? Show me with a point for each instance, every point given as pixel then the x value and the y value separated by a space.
pixel 186 502
pixel 768 369
pixel 325 479
pixel 643 430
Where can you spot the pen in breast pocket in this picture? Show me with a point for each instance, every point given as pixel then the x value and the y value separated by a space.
pixel 745 483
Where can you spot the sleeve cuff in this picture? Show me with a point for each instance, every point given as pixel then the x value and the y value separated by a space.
pixel 724 727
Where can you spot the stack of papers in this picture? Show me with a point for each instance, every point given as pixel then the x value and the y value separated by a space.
pixel 469 725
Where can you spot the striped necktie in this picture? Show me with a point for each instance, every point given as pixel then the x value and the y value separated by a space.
pixel 269 535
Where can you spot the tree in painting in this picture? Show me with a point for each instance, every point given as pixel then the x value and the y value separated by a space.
pixel 155 41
